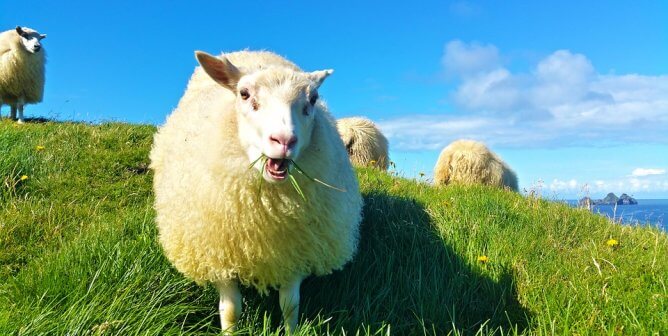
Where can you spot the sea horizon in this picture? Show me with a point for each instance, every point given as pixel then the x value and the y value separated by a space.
pixel 648 211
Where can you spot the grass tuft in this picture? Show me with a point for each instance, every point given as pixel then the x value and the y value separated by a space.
pixel 79 255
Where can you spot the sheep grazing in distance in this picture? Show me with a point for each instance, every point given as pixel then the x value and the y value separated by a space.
pixel 471 162
pixel 247 123
pixel 365 143
pixel 22 60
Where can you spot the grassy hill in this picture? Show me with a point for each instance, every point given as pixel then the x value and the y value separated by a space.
pixel 78 255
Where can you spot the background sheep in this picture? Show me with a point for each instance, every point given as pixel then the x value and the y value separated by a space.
pixel 218 221
pixel 22 60
pixel 366 145
pixel 470 162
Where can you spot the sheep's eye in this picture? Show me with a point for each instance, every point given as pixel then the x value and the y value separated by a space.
pixel 244 93
pixel 305 110
pixel 313 98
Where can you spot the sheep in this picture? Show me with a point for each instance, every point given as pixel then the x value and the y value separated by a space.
pixel 471 162
pixel 246 123
pixel 365 143
pixel 22 60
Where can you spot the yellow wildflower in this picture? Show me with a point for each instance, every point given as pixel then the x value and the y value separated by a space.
pixel 24 177
pixel 612 243
pixel 39 148
pixel 483 259
pixel 373 162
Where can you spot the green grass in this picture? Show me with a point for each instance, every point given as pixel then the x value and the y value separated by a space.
pixel 78 255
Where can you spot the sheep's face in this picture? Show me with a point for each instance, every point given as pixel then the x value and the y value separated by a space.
pixel 348 138
pixel 276 109
pixel 30 39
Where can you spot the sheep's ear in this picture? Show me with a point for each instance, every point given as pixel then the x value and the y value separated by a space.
pixel 42 36
pixel 219 69
pixel 319 76
pixel 19 30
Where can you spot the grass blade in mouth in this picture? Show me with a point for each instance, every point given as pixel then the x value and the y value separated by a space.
pixel 295 185
pixel 262 157
pixel 293 180
pixel 301 171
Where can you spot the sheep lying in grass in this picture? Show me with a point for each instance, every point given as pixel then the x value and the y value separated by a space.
pixel 22 62
pixel 248 122
pixel 366 145
pixel 471 162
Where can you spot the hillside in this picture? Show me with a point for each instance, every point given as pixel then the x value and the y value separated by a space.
pixel 78 255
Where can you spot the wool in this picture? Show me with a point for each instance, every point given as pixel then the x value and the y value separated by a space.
pixel 366 144
pixel 471 162
pixel 219 221
pixel 21 72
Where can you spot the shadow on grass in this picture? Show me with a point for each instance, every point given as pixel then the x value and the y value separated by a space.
pixel 407 276
pixel 32 120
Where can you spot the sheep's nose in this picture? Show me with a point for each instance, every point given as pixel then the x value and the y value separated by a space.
pixel 284 141
pixel 37 48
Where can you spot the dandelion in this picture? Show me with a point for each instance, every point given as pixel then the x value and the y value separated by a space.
pixel 373 162
pixel 39 148
pixel 483 259
pixel 24 177
pixel 612 243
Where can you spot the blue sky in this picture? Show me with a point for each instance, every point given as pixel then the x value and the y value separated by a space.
pixel 572 94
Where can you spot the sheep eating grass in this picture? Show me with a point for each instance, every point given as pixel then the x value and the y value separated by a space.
pixel 366 144
pixel 22 60
pixel 471 162
pixel 217 221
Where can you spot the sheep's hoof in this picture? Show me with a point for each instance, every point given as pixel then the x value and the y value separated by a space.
pixel 228 330
pixel 20 121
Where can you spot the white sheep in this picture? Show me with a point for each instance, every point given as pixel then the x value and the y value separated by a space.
pixel 471 162
pixel 366 144
pixel 22 60
pixel 218 221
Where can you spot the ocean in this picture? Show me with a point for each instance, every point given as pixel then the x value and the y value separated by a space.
pixel 646 212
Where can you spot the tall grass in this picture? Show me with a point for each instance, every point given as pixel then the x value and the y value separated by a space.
pixel 78 255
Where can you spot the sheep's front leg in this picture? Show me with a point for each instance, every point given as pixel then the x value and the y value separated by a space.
pixel 20 104
pixel 12 112
pixel 288 297
pixel 229 306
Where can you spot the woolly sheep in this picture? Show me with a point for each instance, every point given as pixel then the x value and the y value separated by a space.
pixel 366 145
pixel 22 60
pixel 225 217
pixel 471 162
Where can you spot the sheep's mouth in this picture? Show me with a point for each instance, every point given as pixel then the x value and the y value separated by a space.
pixel 278 169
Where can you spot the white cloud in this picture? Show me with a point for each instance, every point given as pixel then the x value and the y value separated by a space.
pixel 565 88
pixel 639 172
pixel 423 132
pixel 464 9
pixel 559 185
pixel 464 59
pixel 562 101
pixel 629 185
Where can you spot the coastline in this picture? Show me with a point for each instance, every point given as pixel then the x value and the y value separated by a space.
pixel 652 212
